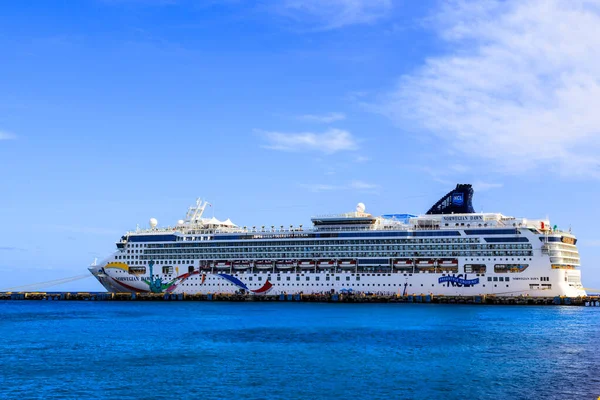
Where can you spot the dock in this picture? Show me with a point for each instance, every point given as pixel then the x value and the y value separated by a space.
pixel 588 301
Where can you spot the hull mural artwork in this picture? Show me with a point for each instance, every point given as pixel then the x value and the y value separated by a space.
pixel 155 285
pixel 158 285
pixel 264 289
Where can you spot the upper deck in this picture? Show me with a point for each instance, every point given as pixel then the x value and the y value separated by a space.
pixel 445 217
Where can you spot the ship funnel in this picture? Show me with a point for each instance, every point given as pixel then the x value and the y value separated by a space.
pixel 457 201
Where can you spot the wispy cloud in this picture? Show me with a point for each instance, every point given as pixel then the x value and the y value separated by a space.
pixel 362 185
pixel 591 243
pixel 483 186
pixel 11 248
pixel 334 14
pixel 519 88
pixel 323 118
pixel 7 135
pixel 328 142
pixel 352 185
pixel 80 229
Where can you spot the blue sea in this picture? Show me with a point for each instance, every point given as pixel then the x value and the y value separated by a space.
pixel 213 350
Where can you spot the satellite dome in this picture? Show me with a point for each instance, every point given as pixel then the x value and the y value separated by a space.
pixel 153 223
pixel 180 222
pixel 360 207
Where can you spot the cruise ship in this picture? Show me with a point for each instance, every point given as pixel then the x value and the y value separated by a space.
pixel 450 250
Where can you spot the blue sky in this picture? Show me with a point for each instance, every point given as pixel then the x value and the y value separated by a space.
pixel 115 111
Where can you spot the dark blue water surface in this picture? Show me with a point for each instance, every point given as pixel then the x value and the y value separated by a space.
pixel 297 350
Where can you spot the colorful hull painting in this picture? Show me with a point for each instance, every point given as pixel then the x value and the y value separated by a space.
pixel 158 285
pixel 264 289
pixel 155 285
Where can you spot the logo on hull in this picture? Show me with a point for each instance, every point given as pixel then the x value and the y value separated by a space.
pixel 458 280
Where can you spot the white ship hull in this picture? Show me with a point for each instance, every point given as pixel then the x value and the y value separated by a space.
pixel 451 251
pixel 529 283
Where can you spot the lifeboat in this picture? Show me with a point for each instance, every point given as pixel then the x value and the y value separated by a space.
pixel 403 264
pixel 306 264
pixel 425 263
pixel 448 263
pixel 326 264
pixel 347 264
pixel 222 265
pixel 264 264
pixel 241 265
pixel 285 265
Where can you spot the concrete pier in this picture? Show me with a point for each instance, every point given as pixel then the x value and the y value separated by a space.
pixel 588 301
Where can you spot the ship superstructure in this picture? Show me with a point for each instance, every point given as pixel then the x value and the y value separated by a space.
pixel 450 250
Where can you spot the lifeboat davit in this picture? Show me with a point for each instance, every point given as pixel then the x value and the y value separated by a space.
pixel 205 265
pixel 347 264
pixel 306 264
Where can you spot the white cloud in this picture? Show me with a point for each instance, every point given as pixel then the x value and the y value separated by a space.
pixel 362 185
pixel 483 186
pixel 353 185
pixel 324 118
pixel 519 88
pixel 320 187
pixel 7 135
pixel 333 14
pixel 328 142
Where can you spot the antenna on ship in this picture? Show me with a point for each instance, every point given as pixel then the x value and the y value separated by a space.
pixel 194 213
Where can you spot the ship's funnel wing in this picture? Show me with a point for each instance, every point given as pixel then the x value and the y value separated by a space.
pixel 458 201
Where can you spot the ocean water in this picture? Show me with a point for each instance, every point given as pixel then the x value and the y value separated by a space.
pixel 211 350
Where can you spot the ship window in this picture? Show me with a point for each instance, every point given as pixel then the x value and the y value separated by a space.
pixel 337 278
pixel 137 270
pixel 347 278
